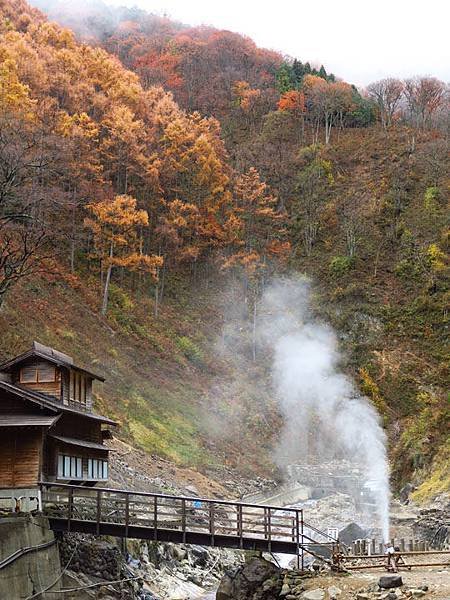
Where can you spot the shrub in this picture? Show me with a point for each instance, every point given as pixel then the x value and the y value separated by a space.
pixel 190 350
pixel 436 258
pixel 407 269
pixel 339 265
pixel 119 298
pixel 431 199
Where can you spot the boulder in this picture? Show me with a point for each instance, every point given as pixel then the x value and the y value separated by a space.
pixel 390 581
pixel 225 591
pixel 334 592
pixel 405 493
pixel 242 582
pixel 318 594
pixel 201 555
pixel 351 533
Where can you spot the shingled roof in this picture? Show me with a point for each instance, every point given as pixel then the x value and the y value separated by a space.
pixel 50 354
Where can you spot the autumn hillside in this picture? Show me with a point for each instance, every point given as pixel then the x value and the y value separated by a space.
pixel 142 209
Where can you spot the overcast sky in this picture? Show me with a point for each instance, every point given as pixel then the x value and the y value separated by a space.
pixel 359 40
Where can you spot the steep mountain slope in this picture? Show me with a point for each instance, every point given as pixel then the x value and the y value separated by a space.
pixel 161 374
pixel 365 216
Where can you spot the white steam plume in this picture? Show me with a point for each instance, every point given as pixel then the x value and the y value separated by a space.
pixel 325 416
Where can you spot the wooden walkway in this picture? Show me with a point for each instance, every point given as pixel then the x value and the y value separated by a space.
pixel 181 519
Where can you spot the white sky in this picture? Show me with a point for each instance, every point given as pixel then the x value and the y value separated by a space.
pixel 358 40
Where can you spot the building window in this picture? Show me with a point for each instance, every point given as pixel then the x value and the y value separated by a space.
pixel 97 469
pixel 28 375
pixel 46 374
pixel 70 467
pixel 33 374
pixel 77 387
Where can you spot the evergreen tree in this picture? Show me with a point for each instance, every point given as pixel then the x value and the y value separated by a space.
pixel 298 71
pixel 285 79
pixel 323 73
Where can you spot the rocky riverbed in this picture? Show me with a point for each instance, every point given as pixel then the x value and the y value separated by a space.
pixel 259 579
pixel 159 571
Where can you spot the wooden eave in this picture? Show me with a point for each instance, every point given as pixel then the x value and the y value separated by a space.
pixel 20 420
pixel 8 365
pixel 54 406
pixel 78 442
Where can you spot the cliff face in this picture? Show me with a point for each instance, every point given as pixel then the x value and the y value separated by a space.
pixel 36 567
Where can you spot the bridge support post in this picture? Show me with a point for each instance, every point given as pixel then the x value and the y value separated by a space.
pixel 155 518
pixel 211 522
pixel 303 540
pixel 70 509
pixel 297 537
pixel 99 510
pixel 183 519
pixel 239 525
pixel 127 513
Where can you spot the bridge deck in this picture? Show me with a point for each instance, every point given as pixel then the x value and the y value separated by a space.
pixel 179 519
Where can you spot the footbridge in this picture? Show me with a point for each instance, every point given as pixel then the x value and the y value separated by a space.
pixel 182 519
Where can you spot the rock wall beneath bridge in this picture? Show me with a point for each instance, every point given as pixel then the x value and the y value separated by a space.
pixel 35 570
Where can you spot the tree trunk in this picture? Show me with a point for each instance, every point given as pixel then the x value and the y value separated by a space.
pixel 107 281
pixel 72 241
pixel 254 329
pixel 156 310
pixel 163 282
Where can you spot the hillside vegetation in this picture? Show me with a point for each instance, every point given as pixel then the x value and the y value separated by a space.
pixel 140 207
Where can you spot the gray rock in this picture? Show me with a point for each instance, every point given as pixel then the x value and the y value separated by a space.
pixel 225 591
pixel 334 592
pixel 417 593
pixel 243 582
pixel 351 533
pixel 405 492
pixel 285 589
pixel 318 594
pixel 390 581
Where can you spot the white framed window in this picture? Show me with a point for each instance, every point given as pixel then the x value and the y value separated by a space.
pixel 97 468
pixel 70 467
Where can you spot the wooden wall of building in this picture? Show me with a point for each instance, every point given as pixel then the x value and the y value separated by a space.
pixel 20 452
pixel 71 425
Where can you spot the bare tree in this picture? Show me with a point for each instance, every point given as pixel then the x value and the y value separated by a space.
pixel 28 159
pixel 312 189
pixel 387 93
pixel 20 244
pixel 351 220
pixel 424 97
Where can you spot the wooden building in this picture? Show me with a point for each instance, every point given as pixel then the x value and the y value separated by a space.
pixel 48 431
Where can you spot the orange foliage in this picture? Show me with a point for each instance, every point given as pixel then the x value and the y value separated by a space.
pixel 293 101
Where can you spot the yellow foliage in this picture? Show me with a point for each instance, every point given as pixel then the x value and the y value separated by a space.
pixel 436 258
pixel 439 480
pixel 372 391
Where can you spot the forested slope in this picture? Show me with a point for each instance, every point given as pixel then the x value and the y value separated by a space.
pixel 131 224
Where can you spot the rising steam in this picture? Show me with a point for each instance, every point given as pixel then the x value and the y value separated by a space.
pixel 325 416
